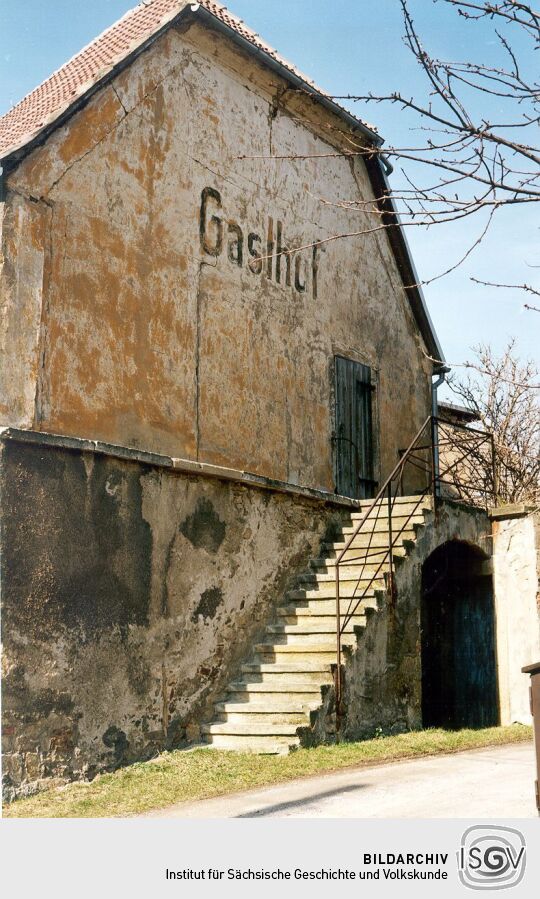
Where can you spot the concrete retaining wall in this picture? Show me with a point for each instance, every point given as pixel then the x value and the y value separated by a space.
pixel 131 594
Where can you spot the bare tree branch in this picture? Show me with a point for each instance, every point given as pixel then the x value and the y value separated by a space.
pixel 506 407
pixel 472 162
pixel 487 371
pixel 525 287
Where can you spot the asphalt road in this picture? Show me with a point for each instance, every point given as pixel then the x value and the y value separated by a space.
pixel 486 783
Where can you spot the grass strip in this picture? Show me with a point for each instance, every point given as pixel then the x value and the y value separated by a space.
pixel 203 773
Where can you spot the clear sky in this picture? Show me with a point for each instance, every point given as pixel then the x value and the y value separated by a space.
pixel 346 46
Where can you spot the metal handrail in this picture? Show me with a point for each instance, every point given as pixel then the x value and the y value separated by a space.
pixel 436 479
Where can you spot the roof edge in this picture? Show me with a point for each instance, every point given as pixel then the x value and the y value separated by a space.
pixel 402 254
pixel 287 75
pixel 18 152
pixel 11 159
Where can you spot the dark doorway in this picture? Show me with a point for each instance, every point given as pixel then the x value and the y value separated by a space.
pixel 353 435
pixel 459 672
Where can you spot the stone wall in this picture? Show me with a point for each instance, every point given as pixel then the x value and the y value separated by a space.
pixel 383 677
pixel 143 301
pixel 133 589
pixel 131 594
pixel 516 558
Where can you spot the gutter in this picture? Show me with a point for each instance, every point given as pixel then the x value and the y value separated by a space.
pixel 435 426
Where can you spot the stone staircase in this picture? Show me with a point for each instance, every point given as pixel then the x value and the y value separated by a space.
pixel 274 704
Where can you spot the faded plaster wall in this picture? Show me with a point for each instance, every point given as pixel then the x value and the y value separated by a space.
pixel 131 594
pixel 516 562
pixel 121 323
pixel 24 236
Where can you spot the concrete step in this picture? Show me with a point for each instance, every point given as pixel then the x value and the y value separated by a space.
pixel 307 640
pixel 327 623
pixel 380 526
pixel 366 540
pixel 313 578
pixel 307 626
pixel 267 704
pixel 326 656
pixel 294 701
pixel 249 712
pixel 255 703
pixel 373 555
pixel 300 649
pixel 298 654
pixel 401 504
pixel 244 690
pixel 274 720
pixel 327 564
pixel 250 744
pixel 299 671
pixel 255 729
pixel 325 607
pixel 292 680
pixel 327 590
pixel 315 599
pixel 347 573
pixel 404 517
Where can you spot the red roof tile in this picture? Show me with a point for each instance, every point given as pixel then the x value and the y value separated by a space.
pixel 46 103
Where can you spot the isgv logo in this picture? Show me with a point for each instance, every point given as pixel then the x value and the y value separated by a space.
pixel 491 858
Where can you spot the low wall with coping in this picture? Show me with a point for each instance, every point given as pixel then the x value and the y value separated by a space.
pixel 133 587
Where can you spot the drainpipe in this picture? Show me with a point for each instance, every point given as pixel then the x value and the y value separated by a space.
pixel 441 372
pixel 388 167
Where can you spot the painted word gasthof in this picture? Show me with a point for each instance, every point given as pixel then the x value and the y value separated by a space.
pixel 267 256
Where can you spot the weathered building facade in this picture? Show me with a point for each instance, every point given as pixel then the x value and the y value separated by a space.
pixel 146 305
pixel 197 380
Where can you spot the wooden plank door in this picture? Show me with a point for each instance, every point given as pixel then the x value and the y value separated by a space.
pixel 353 434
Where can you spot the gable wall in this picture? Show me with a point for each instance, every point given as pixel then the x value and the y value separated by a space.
pixel 147 338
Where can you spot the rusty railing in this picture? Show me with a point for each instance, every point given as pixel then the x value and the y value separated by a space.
pixel 444 460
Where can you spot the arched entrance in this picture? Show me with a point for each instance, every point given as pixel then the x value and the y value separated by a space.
pixel 459 671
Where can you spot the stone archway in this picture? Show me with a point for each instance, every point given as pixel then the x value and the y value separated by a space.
pixel 459 669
